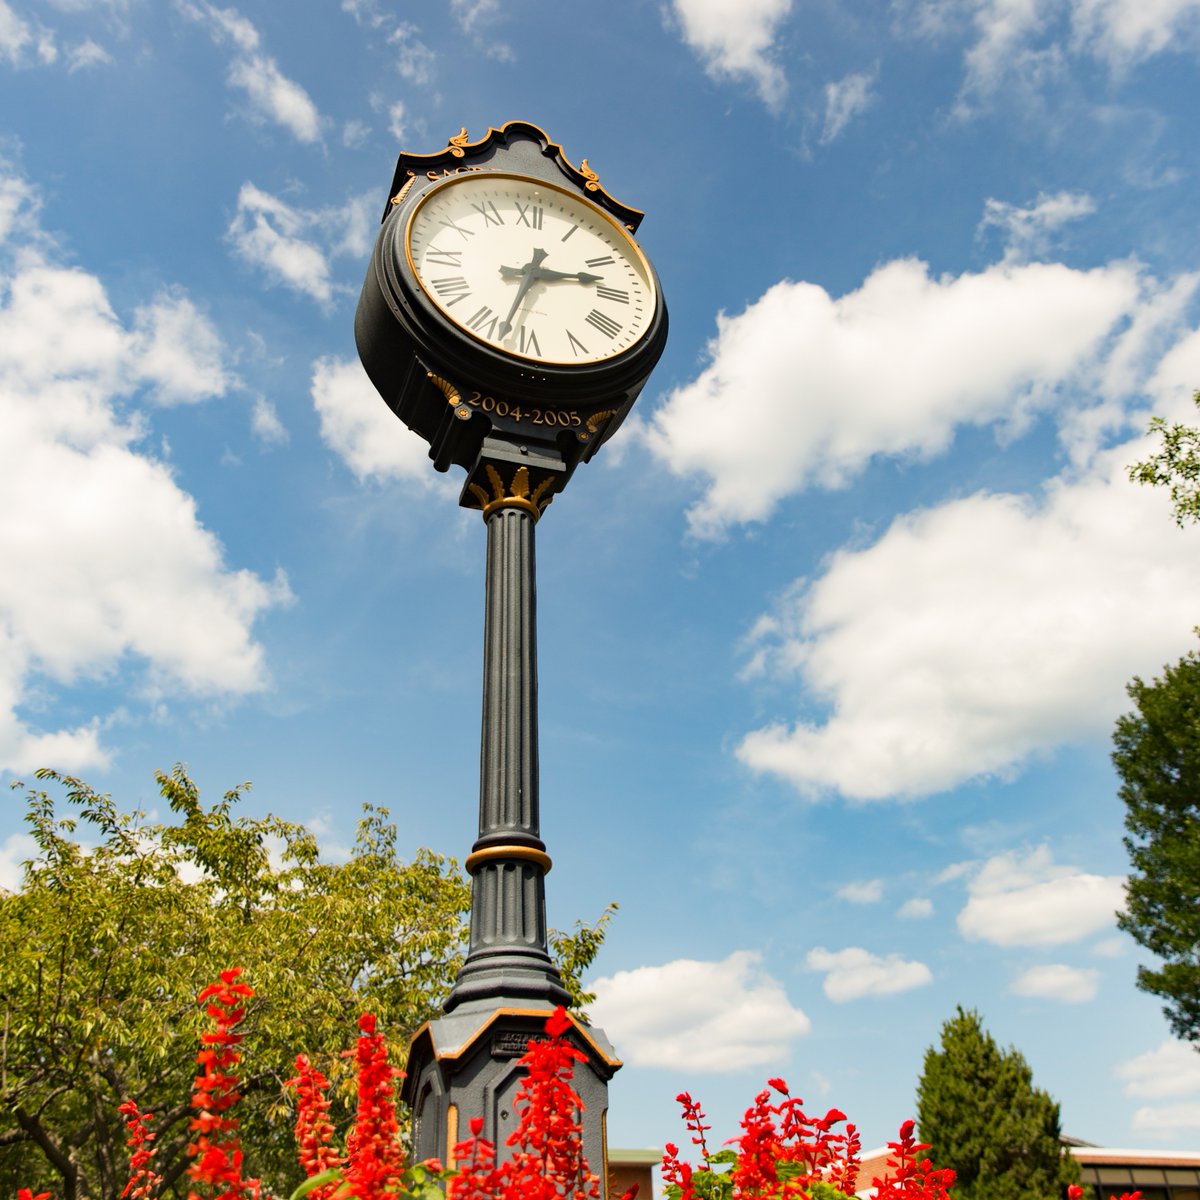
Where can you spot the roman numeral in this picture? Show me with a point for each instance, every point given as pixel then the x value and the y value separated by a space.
pixel 481 318
pixel 529 342
pixel 606 261
pixel 568 233
pixel 605 324
pixel 445 258
pixel 452 289
pixel 449 224
pixel 529 214
pixel 607 293
pixel 577 347
pixel 488 211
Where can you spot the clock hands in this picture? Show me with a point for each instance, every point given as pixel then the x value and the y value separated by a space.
pixel 528 275
pixel 547 275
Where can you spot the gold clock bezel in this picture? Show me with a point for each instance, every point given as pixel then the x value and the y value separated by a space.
pixel 534 181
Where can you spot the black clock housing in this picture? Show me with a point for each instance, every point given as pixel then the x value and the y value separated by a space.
pixel 454 390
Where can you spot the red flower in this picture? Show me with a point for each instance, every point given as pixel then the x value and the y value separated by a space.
pixel 216 1153
pixel 143 1179
pixel 374 1157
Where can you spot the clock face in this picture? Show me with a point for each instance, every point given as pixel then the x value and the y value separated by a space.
pixel 530 269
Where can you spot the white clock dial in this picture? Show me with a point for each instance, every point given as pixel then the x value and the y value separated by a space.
pixel 530 269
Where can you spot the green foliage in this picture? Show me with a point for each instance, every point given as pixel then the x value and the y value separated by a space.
pixel 1175 466
pixel 575 952
pixel 979 1112
pixel 103 950
pixel 1157 755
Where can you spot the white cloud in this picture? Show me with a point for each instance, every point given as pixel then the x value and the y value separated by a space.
pixel 699 1016
pixel 1167 1120
pixel 414 60
pixel 846 99
pixel 821 375
pixel 1026 900
pixel 1029 229
pixel 87 54
pixel 1125 32
pixel 294 246
pixel 359 426
pixel 867 891
pixel 916 909
pixel 178 350
pixel 1171 1069
pixel 1056 981
pixel 107 566
pixel 265 423
pixel 15 34
pixel 18 848
pixel 735 41
pixel 397 116
pixel 272 95
pixel 267 233
pixel 1019 45
pixel 853 973
pixel 976 634
pixel 477 19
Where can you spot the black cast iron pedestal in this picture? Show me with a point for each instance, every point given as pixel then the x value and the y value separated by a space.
pixel 464 1064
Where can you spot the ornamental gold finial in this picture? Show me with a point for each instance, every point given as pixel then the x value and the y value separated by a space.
pixel 456 144
pixel 593 180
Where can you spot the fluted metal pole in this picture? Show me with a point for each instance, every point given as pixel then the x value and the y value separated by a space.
pixel 508 957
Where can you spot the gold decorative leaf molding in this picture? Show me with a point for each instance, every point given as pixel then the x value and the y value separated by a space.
pixel 515 494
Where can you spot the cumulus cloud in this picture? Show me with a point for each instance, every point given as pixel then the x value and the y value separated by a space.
pixel 916 909
pixel 867 891
pixel 976 634
pixel 854 972
pixel 846 99
pixel 1029 230
pixel 107 566
pixel 699 1016
pixel 272 95
pixel 822 374
pixel 362 430
pixel 1024 899
pixel 735 42
pixel 1171 1069
pixel 1056 981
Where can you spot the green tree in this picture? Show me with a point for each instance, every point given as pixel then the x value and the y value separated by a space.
pixel 103 950
pixel 1175 466
pixel 981 1115
pixel 1156 751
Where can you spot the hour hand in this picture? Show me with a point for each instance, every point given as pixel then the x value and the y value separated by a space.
pixel 547 275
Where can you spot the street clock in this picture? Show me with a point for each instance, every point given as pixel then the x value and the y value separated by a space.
pixel 508 313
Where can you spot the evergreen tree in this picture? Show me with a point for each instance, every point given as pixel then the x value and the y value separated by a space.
pixel 1156 751
pixel 981 1115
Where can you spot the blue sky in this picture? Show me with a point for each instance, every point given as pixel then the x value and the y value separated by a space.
pixel 833 634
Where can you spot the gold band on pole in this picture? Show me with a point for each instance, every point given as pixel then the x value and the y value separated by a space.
pixel 522 853
pixel 512 502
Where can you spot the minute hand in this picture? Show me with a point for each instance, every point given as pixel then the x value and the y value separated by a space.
pixel 547 275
